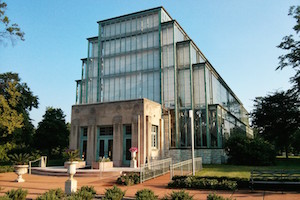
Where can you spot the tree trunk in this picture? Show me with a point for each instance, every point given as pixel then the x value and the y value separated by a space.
pixel 286 152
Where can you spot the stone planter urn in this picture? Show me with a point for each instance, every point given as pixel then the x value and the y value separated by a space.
pixel 20 170
pixel 71 183
pixel 133 163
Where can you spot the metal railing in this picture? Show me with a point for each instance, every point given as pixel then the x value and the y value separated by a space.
pixel 154 169
pixel 42 163
pixel 185 167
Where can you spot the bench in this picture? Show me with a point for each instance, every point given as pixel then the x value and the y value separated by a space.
pixel 275 177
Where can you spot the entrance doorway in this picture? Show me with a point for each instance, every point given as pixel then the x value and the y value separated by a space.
pixel 126 144
pixel 83 143
pixel 105 142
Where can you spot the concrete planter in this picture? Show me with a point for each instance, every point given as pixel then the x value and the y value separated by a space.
pixel 71 183
pixel 102 165
pixel 79 164
pixel 20 170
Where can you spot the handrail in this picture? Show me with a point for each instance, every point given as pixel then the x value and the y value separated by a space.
pixel 43 162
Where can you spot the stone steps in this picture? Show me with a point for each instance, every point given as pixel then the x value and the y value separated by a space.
pixel 79 173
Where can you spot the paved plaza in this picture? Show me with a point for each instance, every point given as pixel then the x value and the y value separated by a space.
pixel 37 184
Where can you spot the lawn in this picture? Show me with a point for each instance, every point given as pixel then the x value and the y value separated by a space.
pixel 293 163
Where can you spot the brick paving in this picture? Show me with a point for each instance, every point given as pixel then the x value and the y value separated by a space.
pixel 37 184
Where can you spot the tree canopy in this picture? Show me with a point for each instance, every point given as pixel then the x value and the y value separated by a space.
pixel 277 118
pixel 10 30
pixel 10 119
pixel 291 44
pixel 52 131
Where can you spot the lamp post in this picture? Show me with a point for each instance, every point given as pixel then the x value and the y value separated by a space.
pixel 191 114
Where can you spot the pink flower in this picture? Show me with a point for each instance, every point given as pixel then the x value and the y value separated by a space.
pixel 133 149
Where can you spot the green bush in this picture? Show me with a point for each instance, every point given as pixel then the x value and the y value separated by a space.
pixel 18 194
pixel 129 179
pixel 4 198
pixel 180 195
pixel 145 194
pixel 114 193
pixel 203 183
pixel 86 192
pixel 216 197
pixel 247 151
pixel 54 194
pixel 6 168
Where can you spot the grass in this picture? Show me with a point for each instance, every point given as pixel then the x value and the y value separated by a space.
pixel 293 163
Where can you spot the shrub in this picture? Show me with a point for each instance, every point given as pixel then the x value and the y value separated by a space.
pixel 145 194
pixel 247 151
pixel 180 195
pixel 6 168
pixel 54 194
pixel 4 198
pixel 114 193
pixel 86 192
pixel 18 194
pixel 216 197
pixel 130 179
pixel 203 183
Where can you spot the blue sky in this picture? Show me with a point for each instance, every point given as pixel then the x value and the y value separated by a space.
pixel 239 38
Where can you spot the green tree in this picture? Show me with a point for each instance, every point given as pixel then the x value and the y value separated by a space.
pixel 52 131
pixel 291 44
pixel 19 134
pixel 10 119
pixel 277 118
pixel 10 30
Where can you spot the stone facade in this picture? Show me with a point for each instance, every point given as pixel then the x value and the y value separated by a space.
pixel 141 114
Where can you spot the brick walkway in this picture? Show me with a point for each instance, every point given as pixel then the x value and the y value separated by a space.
pixel 37 185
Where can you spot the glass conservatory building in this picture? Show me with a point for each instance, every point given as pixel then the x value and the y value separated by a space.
pixel 146 57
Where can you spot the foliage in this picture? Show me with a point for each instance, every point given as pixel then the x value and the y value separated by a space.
pixel 10 119
pixel 6 168
pixel 179 195
pixel 10 30
pixel 71 155
pixel 52 131
pixel 4 198
pixel 296 142
pixel 129 179
pixel 21 136
pixel 54 194
pixel 18 194
pixel 216 197
pixel 247 151
pixel 203 183
pixel 277 118
pixel 20 159
pixel 104 159
pixel 241 182
pixel 291 44
pixel 86 192
pixel 114 193
pixel 145 194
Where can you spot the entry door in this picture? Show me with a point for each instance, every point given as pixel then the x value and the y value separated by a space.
pixel 105 142
pixel 126 144
pixel 105 147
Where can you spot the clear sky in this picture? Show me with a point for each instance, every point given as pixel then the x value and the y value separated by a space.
pixel 239 38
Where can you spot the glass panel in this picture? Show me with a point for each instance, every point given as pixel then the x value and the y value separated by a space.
pixel 128 146
pixel 84 149
pixel 106 130
pixel 110 149
pixel 101 149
